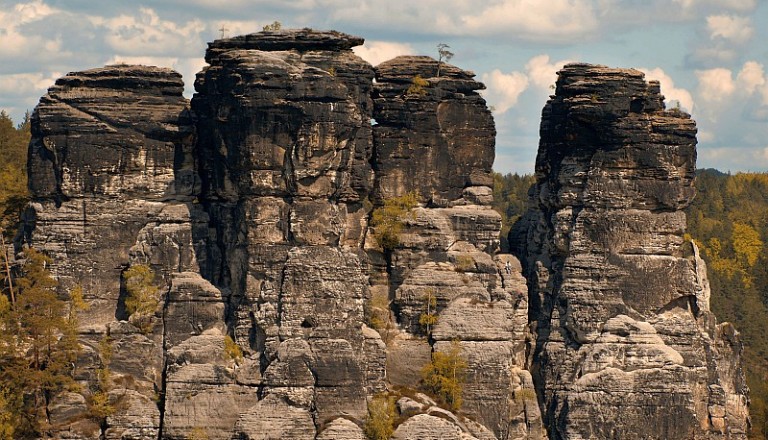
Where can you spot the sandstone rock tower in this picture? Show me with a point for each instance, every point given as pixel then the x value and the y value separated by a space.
pixel 626 346
pixel 252 207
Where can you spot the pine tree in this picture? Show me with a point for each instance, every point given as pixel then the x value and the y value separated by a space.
pixel 38 347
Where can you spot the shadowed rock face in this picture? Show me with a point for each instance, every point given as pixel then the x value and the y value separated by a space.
pixel 436 139
pixel 620 300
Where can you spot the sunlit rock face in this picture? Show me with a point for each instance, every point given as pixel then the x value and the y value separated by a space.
pixel 620 301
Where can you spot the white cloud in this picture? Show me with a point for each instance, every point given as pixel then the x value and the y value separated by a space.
pixel 550 20
pixel 751 77
pixel 541 72
pixel 376 52
pixel 504 89
pixel 668 89
pixel 146 34
pixel 16 42
pixel 21 84
pixel 715 84
pixel 730 27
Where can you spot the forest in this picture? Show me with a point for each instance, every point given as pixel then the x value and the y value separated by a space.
pixel 728 221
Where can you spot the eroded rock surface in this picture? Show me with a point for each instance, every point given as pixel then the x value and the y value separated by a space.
pixel 619 298
pixel 281 316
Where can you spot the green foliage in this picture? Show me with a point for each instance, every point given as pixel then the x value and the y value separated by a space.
pixel 418 86
pixel 445 376
pixel 380 423
pixel 233 351
pixel 728 221
pixel 13 170
pixel 388 220
pixel 38 346
pixel 274 26
pixel 429 317
pixel 142 296
pixel 510 199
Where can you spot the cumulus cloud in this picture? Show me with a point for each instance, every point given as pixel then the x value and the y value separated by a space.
pixel 541 72
pixel 17 42
pixel 145 33
pixel 730 27
pixel 376 52
pixel 22 84
pixel 668 89
pixel 554 19
pixel 504 89
pixel 715 84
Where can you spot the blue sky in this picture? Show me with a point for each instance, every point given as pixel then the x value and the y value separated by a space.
pixel 711 56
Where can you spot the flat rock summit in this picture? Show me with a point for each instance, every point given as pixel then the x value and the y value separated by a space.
pixel 282 314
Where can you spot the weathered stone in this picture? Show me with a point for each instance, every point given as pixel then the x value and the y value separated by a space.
pixel 273 418
pixel 621 302
pixel 341 428
pixel 426 427
pixel 446 142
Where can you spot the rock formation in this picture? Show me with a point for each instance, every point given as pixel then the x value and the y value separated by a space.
pixel 252 206
pixel 281 315
pixel 626 346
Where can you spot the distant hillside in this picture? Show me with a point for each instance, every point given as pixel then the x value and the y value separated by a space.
pixel 728 220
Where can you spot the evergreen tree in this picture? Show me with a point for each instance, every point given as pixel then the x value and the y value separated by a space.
pixel 38 348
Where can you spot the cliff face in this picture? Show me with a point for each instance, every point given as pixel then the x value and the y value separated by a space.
pixel 252 205
pixel 619 299
pixel 252 209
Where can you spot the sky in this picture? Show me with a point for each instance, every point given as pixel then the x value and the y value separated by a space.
pixel 710 56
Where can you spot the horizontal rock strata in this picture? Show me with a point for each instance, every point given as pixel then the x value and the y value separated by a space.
pixel 619 298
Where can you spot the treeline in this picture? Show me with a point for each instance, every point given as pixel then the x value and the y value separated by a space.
pixel 728 220
pixel 510 199
pixel 13 170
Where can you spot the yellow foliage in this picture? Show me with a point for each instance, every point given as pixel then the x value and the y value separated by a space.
pixel 380 423
pixel 445 376
pixel 233 351
pixel 417 87
pixel 198 433
pixel 143 296
pixel 746 244
pixel 429 317
pixel 388 220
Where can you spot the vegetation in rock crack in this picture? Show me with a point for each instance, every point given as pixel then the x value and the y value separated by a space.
pixel 198 433
pixel 380 422
pixel 388 220
pixel 464 263
pixel 445 376
pixel 142 296
pixel 233 351
pixel 99 405
pixel 380 317
pixel 38 348
pixel 428 318
pixel 274 26
pixel 418 86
